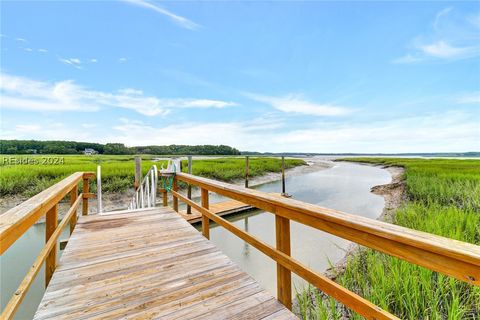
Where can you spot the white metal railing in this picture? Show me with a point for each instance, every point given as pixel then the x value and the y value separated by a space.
pixel 99 190
pixel 146 194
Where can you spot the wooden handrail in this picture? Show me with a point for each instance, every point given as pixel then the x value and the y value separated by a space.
pixel 19 219
pixel 454 258
pixel 22 290
pixel 345 296
pixel 16 221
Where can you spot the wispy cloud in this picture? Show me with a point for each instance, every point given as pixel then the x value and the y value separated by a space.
pixel 452 36
pixel 93 60
pixel 74 62
pixel 42 50
pixel 122 60
pixel 181 21
pixel 294 103
pixel 25 94
pixel 21 40
pixel 443 50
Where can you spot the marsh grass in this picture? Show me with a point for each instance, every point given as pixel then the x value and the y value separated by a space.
pixel 443 199
pixel 118 171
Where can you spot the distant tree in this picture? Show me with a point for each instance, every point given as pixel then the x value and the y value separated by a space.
pixel 74 147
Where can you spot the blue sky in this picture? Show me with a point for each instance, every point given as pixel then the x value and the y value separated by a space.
pixel 265 76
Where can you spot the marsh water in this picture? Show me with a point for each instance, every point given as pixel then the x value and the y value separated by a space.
pixel 344 187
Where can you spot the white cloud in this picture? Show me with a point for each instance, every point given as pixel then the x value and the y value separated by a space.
pixel 452 36
pixel 75 62
pixel 181 21
pixel 296 104
pixel 440 132
pixel 42 50
pixel 21 40
pixel 28 49
pixel 441 49
pixel 25 94
pixel 473 98
pixel 122 60
pixel 408 58
pixel 93 60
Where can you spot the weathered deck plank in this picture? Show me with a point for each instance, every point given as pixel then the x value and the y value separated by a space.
pixel 150 264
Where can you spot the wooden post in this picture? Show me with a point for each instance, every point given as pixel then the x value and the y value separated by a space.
pixel 189 188
pixel 246 171
pixel 73 198
pixel 138 172
pixel 165 197
pixel 51 221
pixel 175 199
pixel 205 220
pixel 283 175
pixel 86 189
pixel 284 276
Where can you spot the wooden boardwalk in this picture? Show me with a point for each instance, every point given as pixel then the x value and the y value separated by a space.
pixel 150 264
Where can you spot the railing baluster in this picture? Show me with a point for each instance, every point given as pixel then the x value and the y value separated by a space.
pixel 205 219
pixel 86 190
pixel 165 197
pixel 175 199
pixel 51 221
pixel 284 276
pixel 73 198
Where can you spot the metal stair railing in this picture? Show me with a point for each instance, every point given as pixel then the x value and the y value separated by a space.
pixel 146 194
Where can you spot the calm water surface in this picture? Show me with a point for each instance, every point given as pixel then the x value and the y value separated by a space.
pixel 344 187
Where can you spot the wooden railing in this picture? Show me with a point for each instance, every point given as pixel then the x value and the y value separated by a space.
pixel 16 221
pixel 454 258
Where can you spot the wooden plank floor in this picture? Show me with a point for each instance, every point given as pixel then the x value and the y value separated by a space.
pixel 150 264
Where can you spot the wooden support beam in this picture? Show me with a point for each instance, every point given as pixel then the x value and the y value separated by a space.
pixel 205 219
pixel 247 170
pixel 189 188
pixel 284 276
pixel 86 189
pixel 175 199
pixel 283 176
pixel 165 197
pixel 138 172
pixel 51 221
pixel 73 198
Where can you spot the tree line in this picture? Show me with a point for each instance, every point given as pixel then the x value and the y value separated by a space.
pixel 74 147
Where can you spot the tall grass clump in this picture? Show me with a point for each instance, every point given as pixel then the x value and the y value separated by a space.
pixel 443 199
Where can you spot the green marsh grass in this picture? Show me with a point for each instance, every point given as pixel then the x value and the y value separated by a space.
pixel 118 171
pixel 443 199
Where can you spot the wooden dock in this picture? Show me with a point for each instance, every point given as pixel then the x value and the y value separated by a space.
pixel 222 208
pixel 150 264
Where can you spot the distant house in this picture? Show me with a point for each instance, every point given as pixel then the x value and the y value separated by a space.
pixel 89 151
